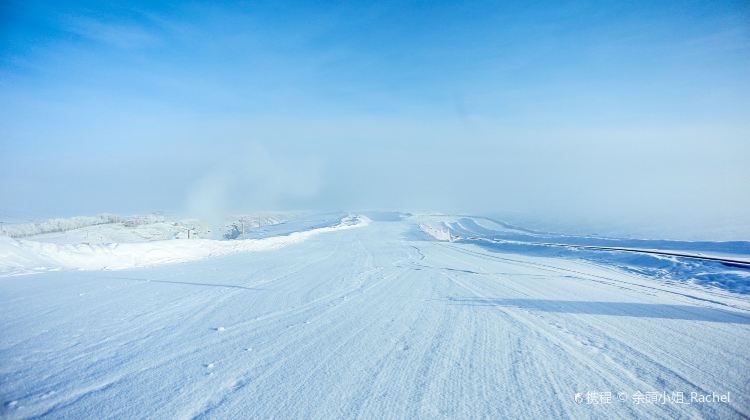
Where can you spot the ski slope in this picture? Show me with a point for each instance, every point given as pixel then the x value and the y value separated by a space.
pixel 378 321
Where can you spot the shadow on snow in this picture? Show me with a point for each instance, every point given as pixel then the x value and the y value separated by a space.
pixel 640 310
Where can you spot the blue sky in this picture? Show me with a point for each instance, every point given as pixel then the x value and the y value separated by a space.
pixel 573 111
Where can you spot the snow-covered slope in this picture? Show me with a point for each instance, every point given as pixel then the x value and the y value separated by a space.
pixel 22 256
pixel 374 322
pixel 724 265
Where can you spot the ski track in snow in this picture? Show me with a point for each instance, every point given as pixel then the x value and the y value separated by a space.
pixel 366 323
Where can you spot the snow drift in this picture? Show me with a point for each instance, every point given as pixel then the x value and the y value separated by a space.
pixel 726 265
pixel 23 256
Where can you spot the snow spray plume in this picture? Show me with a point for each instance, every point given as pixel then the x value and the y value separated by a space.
pixel 251 180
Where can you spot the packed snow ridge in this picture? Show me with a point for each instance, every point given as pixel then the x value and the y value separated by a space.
pixel 19 256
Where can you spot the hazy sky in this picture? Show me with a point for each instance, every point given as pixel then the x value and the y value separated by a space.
pixel 587 113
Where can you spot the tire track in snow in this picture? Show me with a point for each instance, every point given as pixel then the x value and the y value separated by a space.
pixel 299 344
pixel 645 364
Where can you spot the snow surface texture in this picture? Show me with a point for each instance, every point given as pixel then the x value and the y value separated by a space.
pixel 497 236
pixel 375 322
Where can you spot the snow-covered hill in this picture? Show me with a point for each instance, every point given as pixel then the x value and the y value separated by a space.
pixel 377 321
